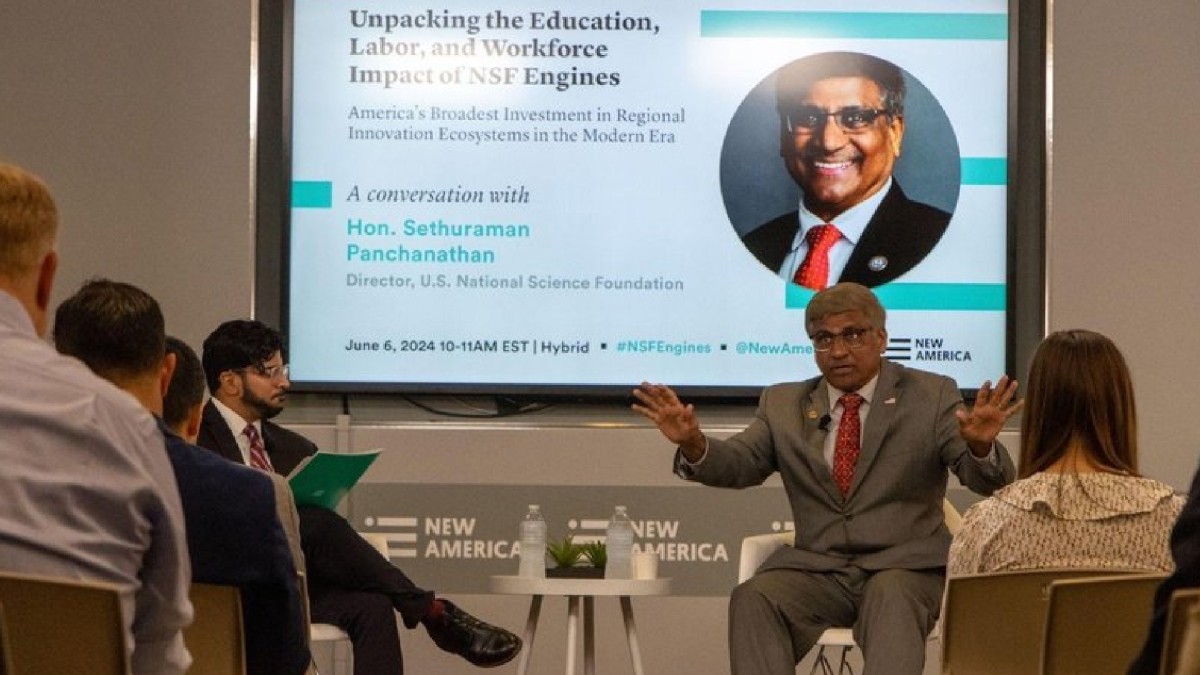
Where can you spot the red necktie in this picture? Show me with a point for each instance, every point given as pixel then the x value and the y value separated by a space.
pixel 845 453
pixel 258 452
pixel 814 271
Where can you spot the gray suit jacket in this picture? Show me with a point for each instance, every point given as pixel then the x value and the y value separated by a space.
pixel 892 516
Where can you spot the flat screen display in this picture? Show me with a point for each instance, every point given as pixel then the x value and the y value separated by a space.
pixel 574 197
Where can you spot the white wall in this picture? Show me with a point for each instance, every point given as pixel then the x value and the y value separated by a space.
pixel 136 113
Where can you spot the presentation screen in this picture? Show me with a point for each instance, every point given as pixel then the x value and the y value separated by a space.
pixel 574 197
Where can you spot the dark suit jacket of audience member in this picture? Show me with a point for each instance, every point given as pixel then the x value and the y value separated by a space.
pixel 235 538
pixel 285 448
pixel 901 231
pixel 1185 549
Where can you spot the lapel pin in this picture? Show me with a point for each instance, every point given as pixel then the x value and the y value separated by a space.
pixel 812 414
pixel 877 263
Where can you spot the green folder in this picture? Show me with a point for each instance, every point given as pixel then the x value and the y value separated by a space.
pixel 324 479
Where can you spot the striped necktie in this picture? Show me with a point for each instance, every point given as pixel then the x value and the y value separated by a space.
pixel 258 452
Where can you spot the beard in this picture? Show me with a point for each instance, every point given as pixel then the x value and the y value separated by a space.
pixel 263 407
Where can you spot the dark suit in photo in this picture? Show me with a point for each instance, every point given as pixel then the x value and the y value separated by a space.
pixel 351 585
pixel 900 234
pixel 235 538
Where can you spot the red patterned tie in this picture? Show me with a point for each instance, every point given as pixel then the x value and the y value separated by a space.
pixel 845 453
pixel 814 271
pixel 258 452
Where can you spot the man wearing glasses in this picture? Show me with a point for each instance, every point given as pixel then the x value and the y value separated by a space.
pixel 350 584
pixel 864 452
pixel 841 126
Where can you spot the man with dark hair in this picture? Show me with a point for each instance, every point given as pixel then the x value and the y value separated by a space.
pixel 841 126
pixel 184 401
pixel 87 490
pixel 350 584
pixel 234 536
pixel 863 452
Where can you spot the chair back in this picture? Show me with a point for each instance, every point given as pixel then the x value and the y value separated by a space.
pixel 1183 626
pixel 1187 660
pixel 63 625
pixel 758 547
pixel 952 516
pixel 993 624
pixel 5 665
pixel 215 638
pixel 1097 626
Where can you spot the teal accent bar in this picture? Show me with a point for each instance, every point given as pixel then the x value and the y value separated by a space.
pixel 869 25
pixel 312 194
pixel 984 170
pixel 941 297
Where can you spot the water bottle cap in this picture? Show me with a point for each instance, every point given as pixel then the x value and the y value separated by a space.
pixel 534 507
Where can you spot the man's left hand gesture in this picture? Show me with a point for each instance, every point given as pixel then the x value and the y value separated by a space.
pixel 980 425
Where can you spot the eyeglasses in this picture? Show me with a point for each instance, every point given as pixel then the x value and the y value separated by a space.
pixel 273 373
pixel 808 118
pixel 853 338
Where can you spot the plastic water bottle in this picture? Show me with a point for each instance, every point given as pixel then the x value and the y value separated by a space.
pixel 533 544
pixel 619 541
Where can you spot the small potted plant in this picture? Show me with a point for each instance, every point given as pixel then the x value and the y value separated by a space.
pixel 566 555
pixel 596 553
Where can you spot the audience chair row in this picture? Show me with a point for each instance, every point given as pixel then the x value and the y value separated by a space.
pixel 52 625
pixel 1054 622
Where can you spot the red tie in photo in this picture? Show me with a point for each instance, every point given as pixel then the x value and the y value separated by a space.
pixel 845 453
pixel 814 271
pixel 258 452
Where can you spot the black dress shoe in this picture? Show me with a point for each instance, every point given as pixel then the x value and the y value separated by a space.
pixel 482 644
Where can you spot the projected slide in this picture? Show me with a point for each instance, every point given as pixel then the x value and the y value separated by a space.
pixel 590 194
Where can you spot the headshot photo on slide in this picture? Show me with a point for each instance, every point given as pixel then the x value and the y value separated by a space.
pixel 844 156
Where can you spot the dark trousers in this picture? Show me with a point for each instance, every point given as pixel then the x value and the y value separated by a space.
pixel 356 589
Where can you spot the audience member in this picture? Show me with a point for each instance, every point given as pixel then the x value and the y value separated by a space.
pixel 863 451
pixel 184 401
pixel 1079 501
pixel 86 491
pixel 350 584
pixel 234 536
pixel 1185 553
pixel 182 408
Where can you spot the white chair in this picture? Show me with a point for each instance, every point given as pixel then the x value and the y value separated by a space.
pixel 325 632
pixel 757 548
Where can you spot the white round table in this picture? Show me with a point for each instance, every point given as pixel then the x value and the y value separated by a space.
pixel 575 590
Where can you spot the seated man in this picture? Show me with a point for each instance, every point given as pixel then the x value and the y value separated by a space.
pixel 351 585
pixel 88 492
pixel 864 451
pixel 183 407
pixel 234 536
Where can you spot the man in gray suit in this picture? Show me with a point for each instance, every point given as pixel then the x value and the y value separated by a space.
pixel 863 451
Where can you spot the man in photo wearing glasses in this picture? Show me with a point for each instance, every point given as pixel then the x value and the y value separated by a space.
pixel 350 585
pixel 841 127
pixel 864 452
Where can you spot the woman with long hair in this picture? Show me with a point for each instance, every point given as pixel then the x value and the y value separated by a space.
pixel 1079 500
